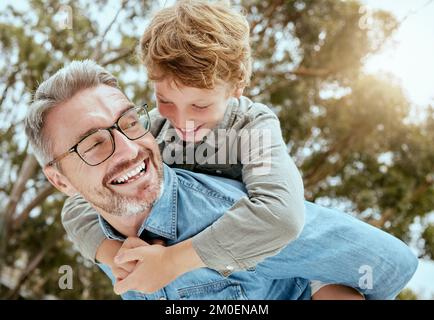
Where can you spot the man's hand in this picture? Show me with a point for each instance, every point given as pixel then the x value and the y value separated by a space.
pixel 156 265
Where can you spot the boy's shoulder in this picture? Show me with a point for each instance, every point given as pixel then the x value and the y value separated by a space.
pixel 246 111
pixel 157 122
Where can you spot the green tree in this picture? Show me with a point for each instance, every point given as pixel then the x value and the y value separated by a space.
pixel 407 294
pixel 350 133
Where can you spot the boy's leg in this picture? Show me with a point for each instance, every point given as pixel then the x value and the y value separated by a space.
pixel 335 247
pixel 336 292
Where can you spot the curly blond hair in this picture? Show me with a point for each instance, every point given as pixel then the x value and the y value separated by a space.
pixel 199 44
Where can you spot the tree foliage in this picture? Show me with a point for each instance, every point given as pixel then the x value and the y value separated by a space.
pixel 351 133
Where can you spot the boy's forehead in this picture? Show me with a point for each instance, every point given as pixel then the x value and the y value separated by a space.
pixel 172 87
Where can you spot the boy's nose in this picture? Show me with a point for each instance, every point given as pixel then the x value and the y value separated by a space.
pixel 182 119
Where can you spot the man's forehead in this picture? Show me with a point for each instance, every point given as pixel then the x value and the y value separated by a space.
pixel 91 109
pixel 101 98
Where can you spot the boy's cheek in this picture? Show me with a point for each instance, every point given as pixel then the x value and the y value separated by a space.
pixel 163 110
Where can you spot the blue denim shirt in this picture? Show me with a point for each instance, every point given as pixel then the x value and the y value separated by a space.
pixel 189 203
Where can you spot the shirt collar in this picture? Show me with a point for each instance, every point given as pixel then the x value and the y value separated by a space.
pixel 162 220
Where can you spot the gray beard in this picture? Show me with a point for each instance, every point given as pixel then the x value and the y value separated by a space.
pixel 126 208
pixel 120 206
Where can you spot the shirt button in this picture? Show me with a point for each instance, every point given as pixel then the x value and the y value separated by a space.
pixel 218 171
pixel 230 268
pixel 163 298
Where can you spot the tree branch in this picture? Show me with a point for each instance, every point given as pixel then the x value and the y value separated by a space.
pixel 10 81
pixel 27 170
pixel 123 53
pixel 47 190
pixel 268 13
pixel 317 173
pixel 97 53
pixel 34 263
pixel 306 72
pixel 388 213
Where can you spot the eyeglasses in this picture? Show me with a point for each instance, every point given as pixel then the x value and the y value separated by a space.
pixel 98 146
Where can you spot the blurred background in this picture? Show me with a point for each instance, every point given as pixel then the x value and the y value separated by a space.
pixel 352 82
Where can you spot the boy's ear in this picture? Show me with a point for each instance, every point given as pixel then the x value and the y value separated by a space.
pixel 58 180
pixel 238 92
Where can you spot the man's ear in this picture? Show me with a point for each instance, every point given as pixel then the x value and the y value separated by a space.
pixel 58 180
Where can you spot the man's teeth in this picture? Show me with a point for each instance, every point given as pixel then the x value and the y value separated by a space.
pixel 131 173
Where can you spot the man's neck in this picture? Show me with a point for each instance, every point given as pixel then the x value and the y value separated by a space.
pixel 128 226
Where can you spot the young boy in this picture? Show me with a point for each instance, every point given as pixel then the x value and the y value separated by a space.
pixel 198 56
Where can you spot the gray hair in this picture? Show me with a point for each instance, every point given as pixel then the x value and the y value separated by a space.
pixel 58 89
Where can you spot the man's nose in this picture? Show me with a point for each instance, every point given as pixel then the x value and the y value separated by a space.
pixel 125 149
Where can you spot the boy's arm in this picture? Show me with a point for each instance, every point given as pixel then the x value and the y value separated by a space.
pixel 260 225
pixel 256 227
pixel 80 221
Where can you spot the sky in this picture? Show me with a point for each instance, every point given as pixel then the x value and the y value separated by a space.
pixel 410 58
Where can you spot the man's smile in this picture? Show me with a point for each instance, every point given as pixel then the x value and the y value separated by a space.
pixel 130 175
pixel 140 173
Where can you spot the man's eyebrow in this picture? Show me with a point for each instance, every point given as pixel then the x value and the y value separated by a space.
pixel 129 106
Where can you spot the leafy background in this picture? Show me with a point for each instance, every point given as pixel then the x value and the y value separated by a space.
pixel 352 133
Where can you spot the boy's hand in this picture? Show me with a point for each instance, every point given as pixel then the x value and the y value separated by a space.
pixel 152 272
pixel 105 254
pixel 121 271
pixel 156 265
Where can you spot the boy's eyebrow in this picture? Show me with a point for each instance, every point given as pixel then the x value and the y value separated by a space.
pixel 160 96
pixel 92 130
pixel 200 100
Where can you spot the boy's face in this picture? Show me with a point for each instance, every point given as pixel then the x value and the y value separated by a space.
pixel 193 112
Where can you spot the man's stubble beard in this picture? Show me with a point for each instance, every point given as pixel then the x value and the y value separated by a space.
pixel 123 206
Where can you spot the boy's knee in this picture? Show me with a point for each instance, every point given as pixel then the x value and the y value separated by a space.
pixel 408 263
pixel 398 269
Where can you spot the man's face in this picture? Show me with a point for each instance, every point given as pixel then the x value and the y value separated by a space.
pixel 128 182
pixel 193 112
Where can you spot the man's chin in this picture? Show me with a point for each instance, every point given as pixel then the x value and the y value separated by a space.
pixel 131 206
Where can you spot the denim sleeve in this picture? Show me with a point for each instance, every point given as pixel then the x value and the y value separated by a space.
pixel 80 221
pixel 260 225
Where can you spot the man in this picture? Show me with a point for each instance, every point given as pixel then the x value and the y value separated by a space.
pixel 114 163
